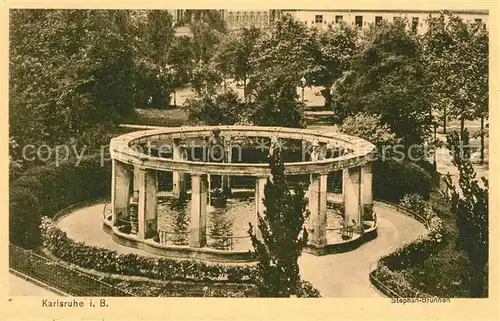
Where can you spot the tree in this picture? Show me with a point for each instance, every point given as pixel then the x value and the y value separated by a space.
pixel 456 55
pixel 207 28
pixel 470 206
pixel 233 54
pixel 336 47
pixel 468 68
pixel 155 40
pixel 283 234
pixel 436 49
pixel 70 72
pixel 388 79
pixel 223 109
pixel 288 49
pixel 274 102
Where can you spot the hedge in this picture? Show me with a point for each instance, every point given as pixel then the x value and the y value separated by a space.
pixel 394 179
pixel 24 218
pixel 110 261
pixel 163 269
pixel 47 189
pixel 391 267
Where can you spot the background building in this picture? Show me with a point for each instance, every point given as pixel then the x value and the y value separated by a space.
pixel 363 18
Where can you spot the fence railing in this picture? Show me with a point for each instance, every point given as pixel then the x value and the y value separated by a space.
pixel 58 276
pixel 345 231
pixel 225 242
pixel 172 238
pixel 400 208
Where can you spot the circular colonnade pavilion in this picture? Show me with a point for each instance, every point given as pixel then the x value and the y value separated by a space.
pixel 204 165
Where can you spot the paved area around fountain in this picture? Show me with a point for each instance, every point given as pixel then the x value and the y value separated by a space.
pixel 336 275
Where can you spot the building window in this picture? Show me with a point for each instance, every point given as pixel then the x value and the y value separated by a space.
pixel 338 19
pixel 378 20
pixel 397 19
pixel 359 21
pixel 414 24
pixel 478 20
pixel 318 18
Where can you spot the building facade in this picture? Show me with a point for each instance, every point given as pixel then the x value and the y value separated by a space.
pixel 363 18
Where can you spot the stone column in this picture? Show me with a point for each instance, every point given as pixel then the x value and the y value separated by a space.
pixel 198 210
pixel 178 178
pixel 147 184
pixel 260 183
pixel 226 179
pixel 366 187
pixel 317 208
pixel 136 179
pixel 352 197
pixel 120 185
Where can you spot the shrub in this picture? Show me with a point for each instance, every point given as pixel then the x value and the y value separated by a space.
pixel 307 290
pixel 45 190
pixel 397 282
pixel 369 127
pixel 418 251
pixel 24 218
pixel 414 203
pixel 393 179
pixel 109 261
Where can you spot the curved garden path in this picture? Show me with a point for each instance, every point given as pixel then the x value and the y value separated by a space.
pixel 336 275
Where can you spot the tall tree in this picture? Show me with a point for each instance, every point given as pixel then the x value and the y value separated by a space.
pixel 234 52
pixel 207 28
pixel 283 234
pixel 155 39
pixel 437 45
pixel 456 55
pixel 71 71
pixel 336 48
pixel 287 49
pixel 388 79
pixel 470 206
pixel 468 68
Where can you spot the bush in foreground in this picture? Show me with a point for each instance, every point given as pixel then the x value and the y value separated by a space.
pixel 45 190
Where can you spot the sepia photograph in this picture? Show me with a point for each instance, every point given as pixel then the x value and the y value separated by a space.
pixel 248 153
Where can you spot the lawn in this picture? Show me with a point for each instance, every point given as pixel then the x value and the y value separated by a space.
pixel 173 117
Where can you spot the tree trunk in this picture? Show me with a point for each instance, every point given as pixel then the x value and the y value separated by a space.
pixel 444 120
pixel 245 87
pixel 175 99
pixel 482 140
pixel 462 123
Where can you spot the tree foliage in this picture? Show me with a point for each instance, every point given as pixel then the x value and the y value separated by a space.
pixel 283 234
pixel 70 70
pixel 287 49
pixel 222 109
pixel 155 38
pixel 470 206
pixel 336 47
pixel 388 79
pixel 456 56
pixel 368 127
